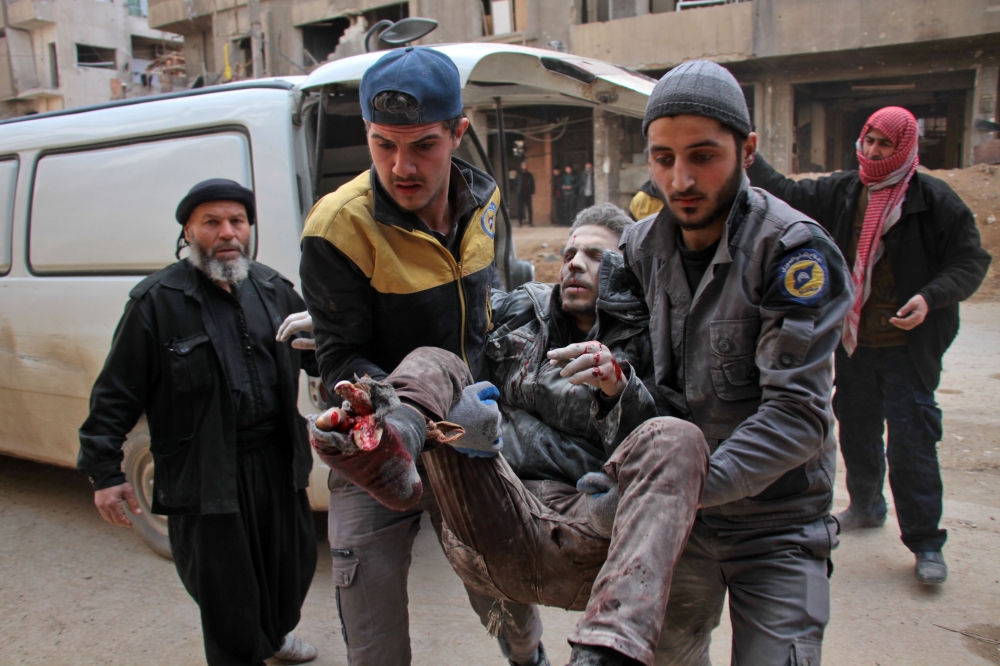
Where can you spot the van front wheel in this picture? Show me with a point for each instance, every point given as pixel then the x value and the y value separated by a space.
pixel 138 468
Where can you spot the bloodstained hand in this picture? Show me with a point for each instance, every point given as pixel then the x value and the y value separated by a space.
pixel 590 363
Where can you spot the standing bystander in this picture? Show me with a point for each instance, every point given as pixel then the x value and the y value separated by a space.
pixel 587 186
pixel 915 251
pixel 524 186
pixel 196 351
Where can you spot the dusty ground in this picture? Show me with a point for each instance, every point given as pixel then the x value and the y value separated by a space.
pixel 74 590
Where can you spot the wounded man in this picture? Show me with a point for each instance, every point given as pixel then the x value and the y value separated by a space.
pixel 566 517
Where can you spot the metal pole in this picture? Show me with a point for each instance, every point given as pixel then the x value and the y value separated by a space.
pixel 324 94
pixel 256 39
pixel 508 263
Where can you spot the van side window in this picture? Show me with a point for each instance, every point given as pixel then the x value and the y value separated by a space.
pixel 111 210
pixel 8 181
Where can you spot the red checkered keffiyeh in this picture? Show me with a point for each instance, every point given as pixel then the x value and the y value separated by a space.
pixel 887 181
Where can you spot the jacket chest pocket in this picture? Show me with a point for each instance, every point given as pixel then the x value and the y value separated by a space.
pixel 190 367
pixel 735 374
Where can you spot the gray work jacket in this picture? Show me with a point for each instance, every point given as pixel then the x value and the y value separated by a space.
pixel 748 357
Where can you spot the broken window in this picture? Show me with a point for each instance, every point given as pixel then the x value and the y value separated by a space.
pixel 319 40
pixel 95 56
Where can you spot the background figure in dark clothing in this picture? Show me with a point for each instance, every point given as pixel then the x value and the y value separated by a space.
pixel 557 218
pixel 196 351
pixel 567 204
pixel 524 187
pixel 924 256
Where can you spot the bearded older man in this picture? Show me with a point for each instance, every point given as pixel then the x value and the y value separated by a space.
pixel 196 351
pixel 916 253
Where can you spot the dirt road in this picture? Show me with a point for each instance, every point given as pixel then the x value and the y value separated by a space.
pixel 75 590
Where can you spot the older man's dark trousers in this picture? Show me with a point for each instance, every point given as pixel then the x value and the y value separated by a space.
pixel 875 386
pixel 249 572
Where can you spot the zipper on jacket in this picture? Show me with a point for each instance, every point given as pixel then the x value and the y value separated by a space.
pixel 461 300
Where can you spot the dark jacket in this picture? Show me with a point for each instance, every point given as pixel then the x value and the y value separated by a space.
pixel 379 284
pixel 747 357
pixel 548 431
pixel 163 363
pixel 524 184
pixel 934 248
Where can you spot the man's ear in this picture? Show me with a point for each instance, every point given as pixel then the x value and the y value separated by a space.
pixel 463 125
pixel 749 150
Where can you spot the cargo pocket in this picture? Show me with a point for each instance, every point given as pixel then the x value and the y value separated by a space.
pixel 345 568
pixel 190 368
pixel 734 373
pixel 806 652
pixel 351 603
pixel 469 565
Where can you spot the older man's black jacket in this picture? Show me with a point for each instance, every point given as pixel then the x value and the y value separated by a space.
pixel 163 363
pixel 934 248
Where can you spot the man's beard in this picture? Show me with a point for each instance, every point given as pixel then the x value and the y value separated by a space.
pixel 724 200
pixel 577 306
pixel 234 271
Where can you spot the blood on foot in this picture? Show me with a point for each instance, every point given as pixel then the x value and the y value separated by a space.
pixel 366 432
pixel 357 396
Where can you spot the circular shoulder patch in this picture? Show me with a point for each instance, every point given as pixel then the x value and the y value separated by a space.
pixel 803 276
pixel 488 220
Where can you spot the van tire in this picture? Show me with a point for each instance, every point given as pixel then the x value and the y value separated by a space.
pixel 138 468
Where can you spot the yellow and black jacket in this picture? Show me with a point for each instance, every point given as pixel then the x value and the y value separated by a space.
pixel 379 283
pixel 647 201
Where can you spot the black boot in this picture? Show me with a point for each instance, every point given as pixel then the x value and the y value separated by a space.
pixel 591 655
pixel 930 568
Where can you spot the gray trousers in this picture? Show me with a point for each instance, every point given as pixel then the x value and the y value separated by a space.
pixel 371 548
pixel 779 595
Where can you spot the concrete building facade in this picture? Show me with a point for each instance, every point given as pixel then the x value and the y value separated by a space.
pixel 57 54
pixel 813 70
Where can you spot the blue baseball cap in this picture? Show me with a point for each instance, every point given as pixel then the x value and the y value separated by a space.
pixel 428 75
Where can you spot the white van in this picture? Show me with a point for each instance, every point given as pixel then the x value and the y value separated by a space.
pixel 87 200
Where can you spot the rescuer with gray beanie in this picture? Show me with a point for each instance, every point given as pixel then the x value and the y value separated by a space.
pixel 761 291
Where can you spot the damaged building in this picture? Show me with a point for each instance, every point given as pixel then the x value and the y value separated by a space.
pixel 812 70
pixel 56 54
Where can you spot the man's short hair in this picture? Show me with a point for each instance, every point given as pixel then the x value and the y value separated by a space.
pixel 404 104
pixel 605 215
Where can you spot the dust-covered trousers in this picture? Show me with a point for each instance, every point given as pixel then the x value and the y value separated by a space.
pixel 533 543
pixel 371 548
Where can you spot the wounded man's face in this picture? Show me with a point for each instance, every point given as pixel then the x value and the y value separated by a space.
pixel 580 268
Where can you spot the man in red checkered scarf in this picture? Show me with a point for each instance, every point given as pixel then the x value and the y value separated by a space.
pixel 915 253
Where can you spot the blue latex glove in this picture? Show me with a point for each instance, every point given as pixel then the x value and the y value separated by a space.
pixel 601 492
pixel 477 412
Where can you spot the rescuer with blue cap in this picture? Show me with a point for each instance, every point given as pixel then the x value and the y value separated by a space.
pixel 395 262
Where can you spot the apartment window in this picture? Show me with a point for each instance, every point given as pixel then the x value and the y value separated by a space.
pixel 138 8
pixel 95 56
pixel 53 65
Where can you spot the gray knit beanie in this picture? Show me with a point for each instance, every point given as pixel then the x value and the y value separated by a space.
pixel 699 88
